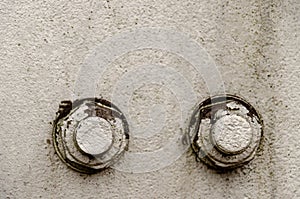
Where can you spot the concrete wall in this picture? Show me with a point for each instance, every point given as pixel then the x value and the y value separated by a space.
pixel 44 44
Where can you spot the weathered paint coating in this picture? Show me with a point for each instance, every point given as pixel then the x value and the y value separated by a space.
pixel 254 43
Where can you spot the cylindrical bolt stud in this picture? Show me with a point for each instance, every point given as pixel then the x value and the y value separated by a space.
pixel 94 136
pixel 225 131
pixel 231 134
pixel 89 134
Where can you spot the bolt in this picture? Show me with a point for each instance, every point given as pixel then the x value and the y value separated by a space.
pixel 89 134
pixel 225 131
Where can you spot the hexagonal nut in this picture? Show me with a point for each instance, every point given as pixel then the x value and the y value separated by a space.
pixel 90 134
pixel 225 131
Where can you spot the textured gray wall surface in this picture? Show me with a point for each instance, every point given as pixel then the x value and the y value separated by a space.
pixel 254 44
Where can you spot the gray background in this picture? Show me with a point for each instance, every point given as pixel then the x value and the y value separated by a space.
pixel 254 43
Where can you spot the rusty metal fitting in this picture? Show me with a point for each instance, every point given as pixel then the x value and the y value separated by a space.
pixel 225 131
pixel 90 134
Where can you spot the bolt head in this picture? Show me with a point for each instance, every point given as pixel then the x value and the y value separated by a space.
pixel 90 134
pixel 225 131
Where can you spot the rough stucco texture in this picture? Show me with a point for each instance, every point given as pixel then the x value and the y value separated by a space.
pixel 254 43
